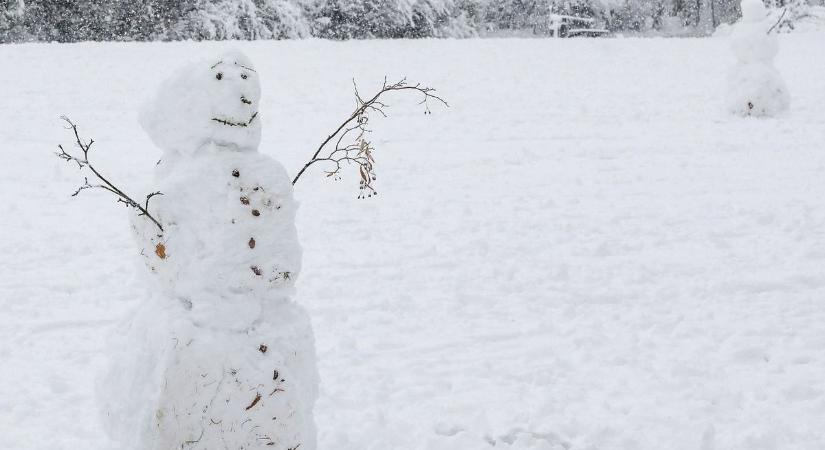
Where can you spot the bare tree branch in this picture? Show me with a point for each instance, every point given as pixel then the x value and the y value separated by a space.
pixel 84 163
pixel 352 146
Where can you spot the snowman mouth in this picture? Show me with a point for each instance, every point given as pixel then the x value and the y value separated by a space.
pixel 235 123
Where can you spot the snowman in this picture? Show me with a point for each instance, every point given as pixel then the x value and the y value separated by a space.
pixel 219 356
pixel 755 87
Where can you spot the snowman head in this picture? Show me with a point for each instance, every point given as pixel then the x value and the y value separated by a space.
pixel 208 102
pixel 753 11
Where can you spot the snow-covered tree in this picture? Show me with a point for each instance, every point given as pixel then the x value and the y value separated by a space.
pixel 359 19
pixel 79 20
pixel 11 20
pixel 242 19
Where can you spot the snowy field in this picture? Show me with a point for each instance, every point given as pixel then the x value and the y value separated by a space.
pixel 584 252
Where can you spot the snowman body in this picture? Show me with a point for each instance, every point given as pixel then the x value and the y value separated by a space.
pixel 223 358
pixel 229 244
pixel 755 87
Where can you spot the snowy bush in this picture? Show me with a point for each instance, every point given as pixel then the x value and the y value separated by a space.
pixel 347 19
pixel 340 19
pixel 11 23
pixel 641 15
pixel 243 19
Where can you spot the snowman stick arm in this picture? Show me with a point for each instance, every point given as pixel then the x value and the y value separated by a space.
pixel 778 21
pixel 361 112
pixel 106 184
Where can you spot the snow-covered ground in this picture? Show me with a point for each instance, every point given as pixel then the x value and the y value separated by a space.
pixel 586 251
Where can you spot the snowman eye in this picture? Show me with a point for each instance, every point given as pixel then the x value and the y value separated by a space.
pixel 243 75
pixel 219 75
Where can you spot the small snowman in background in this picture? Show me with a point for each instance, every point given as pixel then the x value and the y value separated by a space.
pixel 755 87
pixel 220 356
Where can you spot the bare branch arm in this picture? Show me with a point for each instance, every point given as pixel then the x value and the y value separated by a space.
pixel 360 152
pixel 778 21
pixel 83 162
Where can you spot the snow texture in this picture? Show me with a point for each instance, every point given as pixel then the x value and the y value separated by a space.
pixel 755 87
pixel 585 251
pixel 223 357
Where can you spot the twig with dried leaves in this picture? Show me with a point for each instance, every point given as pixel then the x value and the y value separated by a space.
pixel 83 162
pixel 351 145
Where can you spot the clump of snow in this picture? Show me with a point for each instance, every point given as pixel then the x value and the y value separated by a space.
pixel 755 87
pixel 223 353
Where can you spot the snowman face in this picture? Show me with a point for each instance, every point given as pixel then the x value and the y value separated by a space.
pixel 208 103
pixel 235 95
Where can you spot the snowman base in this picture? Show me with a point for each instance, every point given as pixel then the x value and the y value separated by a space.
pixel 236 389
pixel 756 90
pixel 182 386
